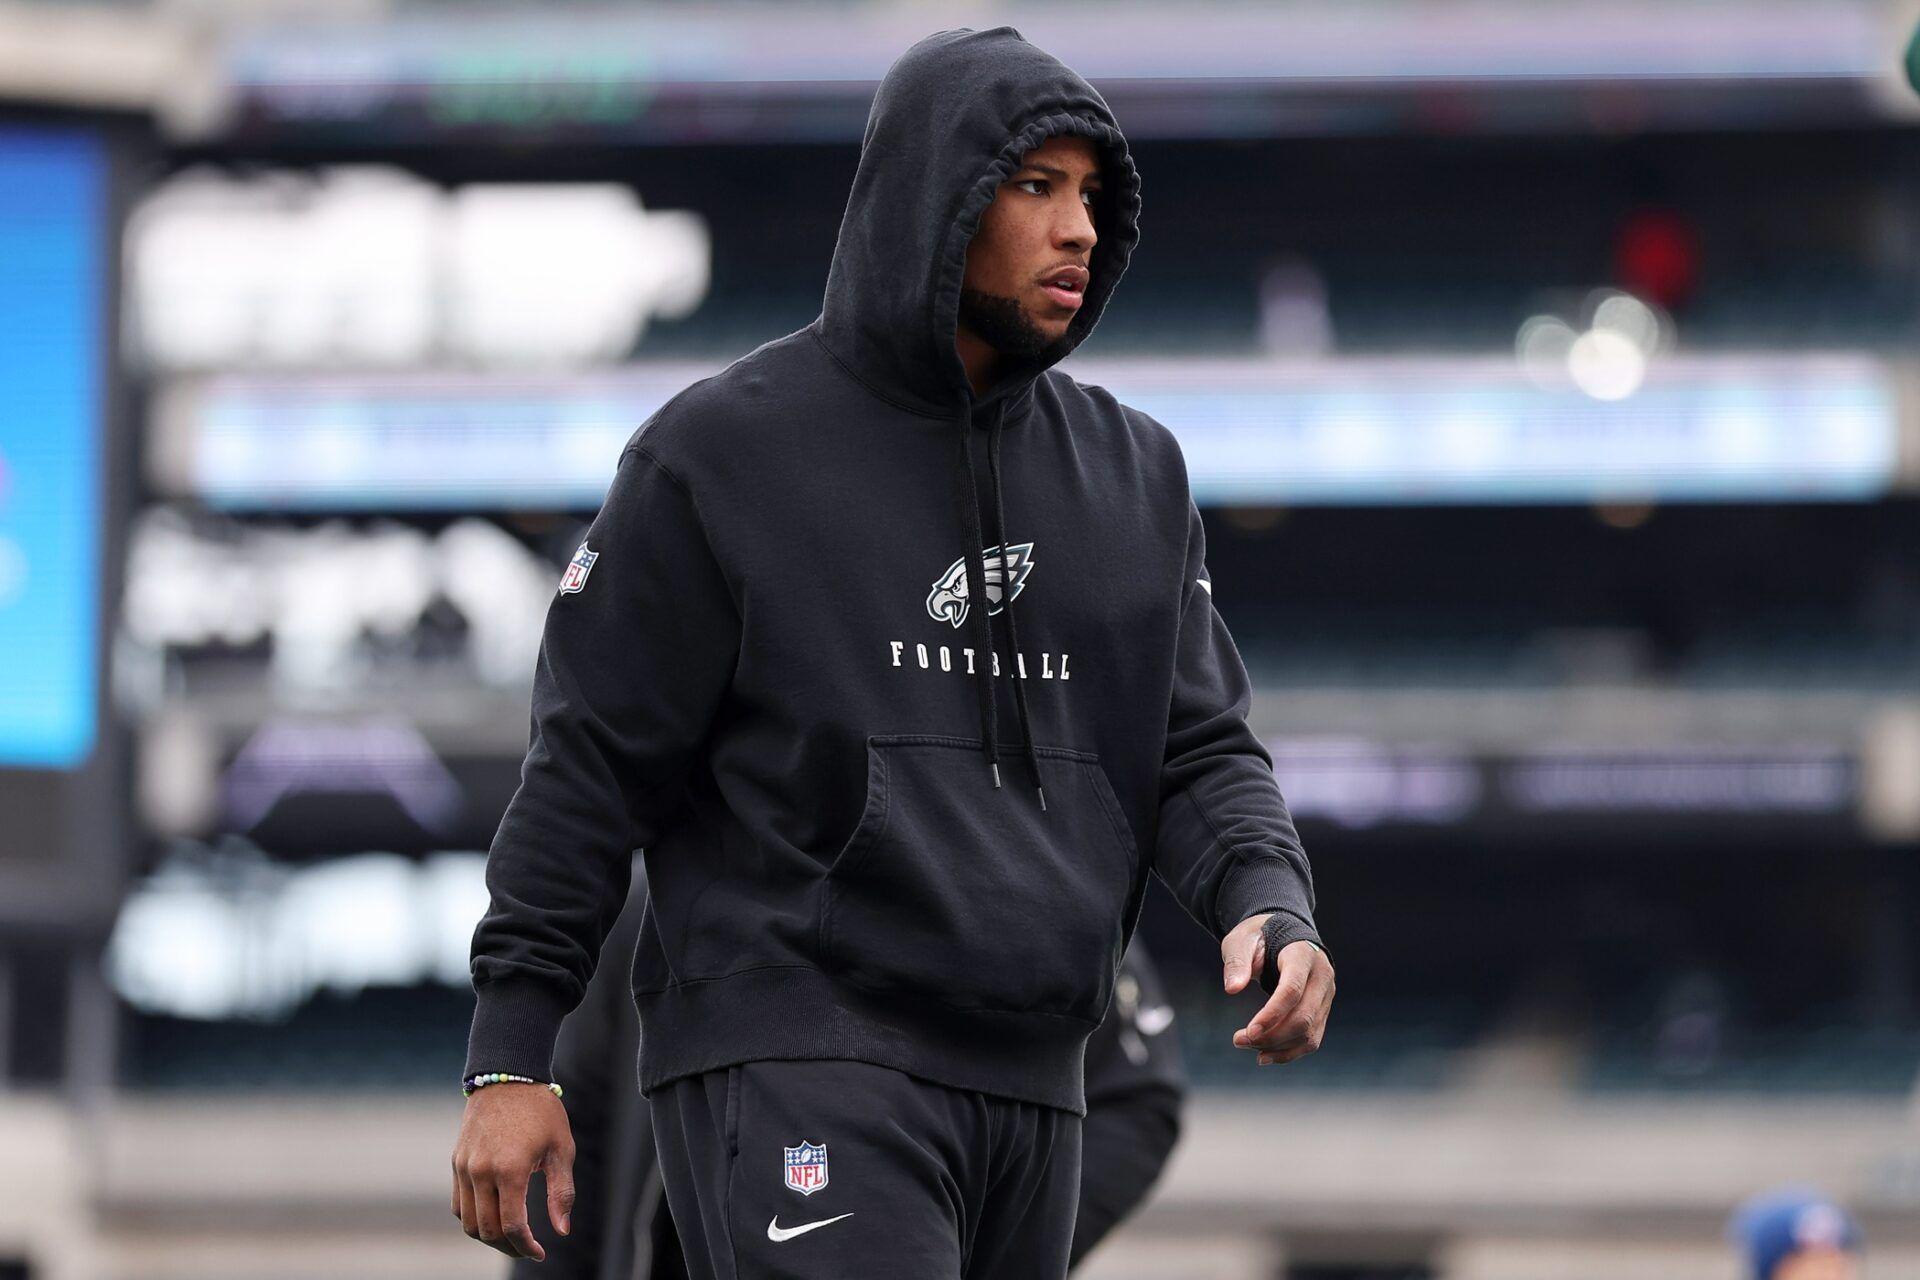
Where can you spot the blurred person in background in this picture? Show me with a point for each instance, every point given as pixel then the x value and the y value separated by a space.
pixel 621 1228
pixel 1795 1233
pixel 869 970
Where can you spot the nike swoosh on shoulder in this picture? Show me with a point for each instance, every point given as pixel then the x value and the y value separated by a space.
pixel 778 1233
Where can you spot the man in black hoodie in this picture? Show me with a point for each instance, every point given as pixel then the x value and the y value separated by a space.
pixel 873 957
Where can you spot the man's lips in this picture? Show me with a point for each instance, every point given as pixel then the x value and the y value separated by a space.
pixel 1067 286
pixel 1068 298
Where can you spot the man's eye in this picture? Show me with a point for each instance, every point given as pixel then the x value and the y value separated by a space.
pixel 1089 197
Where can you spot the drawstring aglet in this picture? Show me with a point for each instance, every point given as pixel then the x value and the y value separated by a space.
pixel 1042 793
pixel 995 766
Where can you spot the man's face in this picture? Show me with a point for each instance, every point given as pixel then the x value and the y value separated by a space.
pixel 1027 264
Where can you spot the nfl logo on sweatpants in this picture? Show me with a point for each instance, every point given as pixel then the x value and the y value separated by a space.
pixel 577 570
pixel 807 1167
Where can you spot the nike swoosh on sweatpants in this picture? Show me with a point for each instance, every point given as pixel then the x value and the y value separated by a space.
pixel 778 1233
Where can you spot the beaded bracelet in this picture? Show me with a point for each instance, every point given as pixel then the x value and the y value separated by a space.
pixel 471 1083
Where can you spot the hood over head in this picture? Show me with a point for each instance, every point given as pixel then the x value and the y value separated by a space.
pixel 952 119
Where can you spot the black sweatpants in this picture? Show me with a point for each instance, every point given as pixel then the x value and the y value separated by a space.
pixel 847 1170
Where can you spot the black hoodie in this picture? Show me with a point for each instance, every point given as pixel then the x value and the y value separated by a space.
pixel 768 668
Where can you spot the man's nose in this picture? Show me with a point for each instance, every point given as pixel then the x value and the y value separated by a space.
pixel 1076 228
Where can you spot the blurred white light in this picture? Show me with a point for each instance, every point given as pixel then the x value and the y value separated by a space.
pixel 316 626
pixel 453 896
pixel 396 579
pixel 1608 360
pixel 676 267
pixel 1468 444
pixel 542 274
pixel 1606 365
pixel 1842 436
pixel 1739 438
pixel 352 923
pixel 318 592
pixel 371 267
pixel 180 953
pixel 1544 345
pixel 503 591
pixel 372 247
pixel 1351 440
pixel 1629 317
pixel 245 938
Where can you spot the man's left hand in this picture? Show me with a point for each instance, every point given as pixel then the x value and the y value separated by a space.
pixel 1294 1019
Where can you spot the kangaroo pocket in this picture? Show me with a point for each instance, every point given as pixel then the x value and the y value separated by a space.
pixel 976 897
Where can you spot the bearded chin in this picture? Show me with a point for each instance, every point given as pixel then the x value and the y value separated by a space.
pixel 1004 325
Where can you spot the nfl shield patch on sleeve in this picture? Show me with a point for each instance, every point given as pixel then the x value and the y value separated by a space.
pixel 577 570
pixel 807 1167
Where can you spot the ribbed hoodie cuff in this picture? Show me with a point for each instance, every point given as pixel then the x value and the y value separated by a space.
pixel 1293 929
pixel 1260 886
pixel 515 1024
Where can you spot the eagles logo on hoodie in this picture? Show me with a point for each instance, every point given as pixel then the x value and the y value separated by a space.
pixel 947 602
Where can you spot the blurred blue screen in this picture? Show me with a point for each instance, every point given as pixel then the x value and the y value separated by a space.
pixel 52 301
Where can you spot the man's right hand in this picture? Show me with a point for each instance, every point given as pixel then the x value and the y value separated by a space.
pixel 510 1129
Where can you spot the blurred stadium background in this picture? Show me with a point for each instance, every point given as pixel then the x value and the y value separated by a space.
pixel 1547 371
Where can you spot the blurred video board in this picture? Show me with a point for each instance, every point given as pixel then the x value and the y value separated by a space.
pixel 1778 427
pixel 62 497
pixel 52 326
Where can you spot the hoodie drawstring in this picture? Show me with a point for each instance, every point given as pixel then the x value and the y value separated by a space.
pixel 976 600
pixel 1006 601
pixel 979 605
